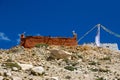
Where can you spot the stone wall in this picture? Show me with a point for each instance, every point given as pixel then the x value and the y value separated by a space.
pixel 31 41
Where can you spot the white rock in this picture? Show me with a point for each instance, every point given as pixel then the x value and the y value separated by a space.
pixel 25 66
pixel 8 73
pixel 38 70
pixel 80 60
pixel 54 78
pixel 2 72
pixel 16 78
pixel 1 77
pixel 14 68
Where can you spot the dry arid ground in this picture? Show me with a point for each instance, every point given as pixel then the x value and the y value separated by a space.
pixel 45 62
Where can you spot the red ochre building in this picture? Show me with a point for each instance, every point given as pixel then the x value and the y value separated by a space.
pixel 32 41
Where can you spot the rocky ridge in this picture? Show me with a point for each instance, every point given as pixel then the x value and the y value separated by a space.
pixel 59 63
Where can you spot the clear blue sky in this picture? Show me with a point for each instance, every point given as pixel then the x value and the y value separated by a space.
pixel 57 18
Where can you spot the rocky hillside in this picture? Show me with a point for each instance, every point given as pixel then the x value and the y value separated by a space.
pixel 45 62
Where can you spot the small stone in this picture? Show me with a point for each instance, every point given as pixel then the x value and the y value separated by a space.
pixel 15 69
pixel 54 78
pixel 68 77
pixel 80 60
pixel 8 73
pixel 86 76
pixel 1 77
pixel 1 72
pixel 38 70
pixel 16 78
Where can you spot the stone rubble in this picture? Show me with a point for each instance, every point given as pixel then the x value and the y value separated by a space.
pixel 59 63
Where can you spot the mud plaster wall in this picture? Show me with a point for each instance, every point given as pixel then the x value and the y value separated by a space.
pixel 31 41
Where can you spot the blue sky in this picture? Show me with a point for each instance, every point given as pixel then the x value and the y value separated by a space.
pixel 57 18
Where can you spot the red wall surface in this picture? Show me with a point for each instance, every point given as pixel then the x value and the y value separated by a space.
pixel 31 41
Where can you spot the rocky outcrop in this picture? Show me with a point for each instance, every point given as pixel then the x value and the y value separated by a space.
pixel 85 63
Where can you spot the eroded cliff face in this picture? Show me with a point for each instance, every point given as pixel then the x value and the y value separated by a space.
pixel 31 41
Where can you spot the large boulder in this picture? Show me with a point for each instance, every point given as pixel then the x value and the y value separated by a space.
pixel 59 54
pixel 37 70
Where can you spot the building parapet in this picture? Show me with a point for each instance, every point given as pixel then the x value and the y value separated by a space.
pixel 31 41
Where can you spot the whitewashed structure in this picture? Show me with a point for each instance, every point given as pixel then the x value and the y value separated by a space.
pixel 112 46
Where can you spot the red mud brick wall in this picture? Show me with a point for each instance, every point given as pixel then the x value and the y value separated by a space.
pixel 31 41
